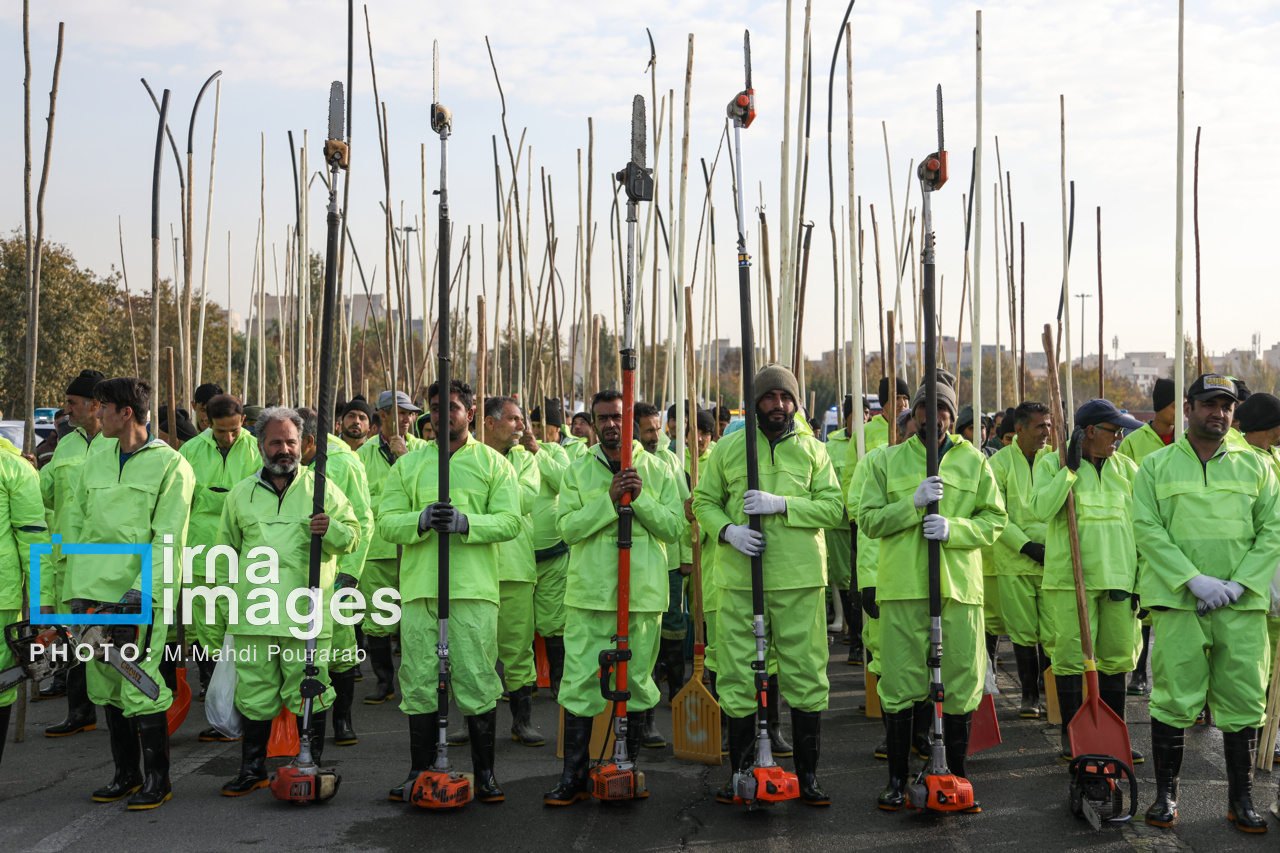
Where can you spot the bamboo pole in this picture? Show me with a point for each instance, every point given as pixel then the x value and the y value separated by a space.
pixel 1065 337
pixel 1022 349
pixel 229 329
pixel 976 276
pixel 1195 219
pixel 784 193
pixel 154 355
pixel 789 228
pixel 889 407
pixel 995 257
pixel 262 276
pixel 1102 353
pixel 676 352
pixel 128 300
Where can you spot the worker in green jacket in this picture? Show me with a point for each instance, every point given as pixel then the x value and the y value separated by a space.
pixel 273 511
pixel 1019 552
pixel 1207 524
pixel 517 569
pixel 675 627
pixel 58 480
pixel 549 550
pixel 590 495
pixel 970 517
pixel 136 490
pixel 1103 490
pixel 221 456
pixel 343 471
pixel 382 562
pixel 22 524
pixel 798 498
pixel 483 509
pixel 876 430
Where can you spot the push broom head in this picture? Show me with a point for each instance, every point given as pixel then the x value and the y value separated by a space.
pixel 440 789
pixel 303 785
pixel 610 782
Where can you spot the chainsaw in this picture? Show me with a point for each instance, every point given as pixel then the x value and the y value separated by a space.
pixel 40 653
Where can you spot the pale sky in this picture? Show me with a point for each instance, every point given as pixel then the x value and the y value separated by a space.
pixel 562 62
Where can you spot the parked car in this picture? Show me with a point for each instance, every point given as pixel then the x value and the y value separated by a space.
pixel 12 430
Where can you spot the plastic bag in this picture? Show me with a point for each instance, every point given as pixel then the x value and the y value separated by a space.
pixel 220 698
pixel 1275 593
pixel 989 687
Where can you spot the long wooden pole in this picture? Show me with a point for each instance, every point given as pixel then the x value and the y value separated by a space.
pixel 154 355
pixel 683 318
pixel 976 276
pixel 1065 337
pixel 208 224
pixel 1195 220
pixel 1102 353
pixel 1179 361
pixel 889 407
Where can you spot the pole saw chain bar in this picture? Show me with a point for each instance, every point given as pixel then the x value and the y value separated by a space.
pixel 609 659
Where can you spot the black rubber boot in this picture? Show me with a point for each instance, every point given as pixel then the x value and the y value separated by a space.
pixel 169 667
pixel 992 641
pixel 921 725
pixel 898 726
pixel 671 653
pixel 153 735
pixel 1138 680
pixel 574 784
pixel 206 667
pixel 422 750
pixel 640 729
pixel 1070 698
pixel 384 669
pixel 778 744
pixel 955 741
pixel 1028 673
pixel 522 730
pixel 555 662
pixel 126 755
pixel 1166 748
pixel 807 728
pixel 742 752
pixel 4 727
pixel 650 737
pixel 319 723
pixel 483 728
pixel 253 760
pixel 1111 690
pixel 1241 749
pixel 82 714
pixel 55 689
pixel 344 690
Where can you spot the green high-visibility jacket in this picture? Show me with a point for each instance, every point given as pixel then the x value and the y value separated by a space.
pixel 875 433
pixel 707 561
pixel 22 523
pixel 868 546
pixel 575 447
pixel 515 557
pixel 483 487
pixel 1014 478
pixel 378 461
pixel 971 503
pixel 552 463
pixel 1104 514
pixel 837 449
pixel 142 501
pixel 676 556
pixel 257 519
pixel 797 468
pixel 1220 518
pixel 57 485
pixel 344 469
pixel 215 476
pixel 1140 443
pixel 588 523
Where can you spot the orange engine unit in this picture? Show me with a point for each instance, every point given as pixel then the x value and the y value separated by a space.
pixel 608 782
pixel 948 793
pixel 773 785
pixel 436 789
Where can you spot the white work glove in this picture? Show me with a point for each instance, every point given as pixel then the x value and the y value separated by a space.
pixel 929 491
pixel 1211 591
pixel 937 527
pixel 1234 590
pixel 745 539
pixel 756 502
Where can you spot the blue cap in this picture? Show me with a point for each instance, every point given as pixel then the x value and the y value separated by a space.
pixel 1097 412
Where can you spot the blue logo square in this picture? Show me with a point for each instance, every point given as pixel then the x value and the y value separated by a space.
pixel 143 618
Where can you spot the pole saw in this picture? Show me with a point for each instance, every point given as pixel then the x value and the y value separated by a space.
pixel 303 781
pixel 936 788
pixel 619 780
pixel 765 783
pixel 442 787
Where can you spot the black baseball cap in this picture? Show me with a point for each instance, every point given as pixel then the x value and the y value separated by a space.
pixel 1097 412
pixel 1210 385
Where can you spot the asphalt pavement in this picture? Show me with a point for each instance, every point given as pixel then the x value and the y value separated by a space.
pixel 45 785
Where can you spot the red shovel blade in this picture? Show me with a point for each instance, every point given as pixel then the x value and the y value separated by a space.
pixel 1097 730
pixel 986 729
pixel 542 667
pixel 181 703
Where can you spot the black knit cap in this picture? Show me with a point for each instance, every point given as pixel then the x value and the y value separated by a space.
pixel 883 389
pixel 82 385
pixel 358 404
pixel 1259 413
pixel 1162 394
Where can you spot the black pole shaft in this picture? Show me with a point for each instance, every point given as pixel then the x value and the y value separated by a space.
pixel 443 438
pixel 931 407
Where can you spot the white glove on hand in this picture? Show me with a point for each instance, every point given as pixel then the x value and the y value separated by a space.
pixel 745 539
pixel 929 491
pixel 937 527
pixel 1211 591
pixel 1234 590
pixel 756 502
